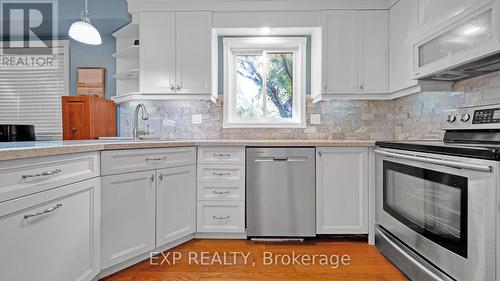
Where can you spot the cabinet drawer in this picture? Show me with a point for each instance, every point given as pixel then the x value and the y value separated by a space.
pixel 221 173
pixel 218 155
pixel 27 176
pixel 217 191
pixel 123 161
pixel 49 229
pixel 221 217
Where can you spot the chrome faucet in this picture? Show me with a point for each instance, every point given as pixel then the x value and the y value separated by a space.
pixel 144 116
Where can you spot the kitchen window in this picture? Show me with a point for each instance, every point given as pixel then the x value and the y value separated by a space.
pixel 264 82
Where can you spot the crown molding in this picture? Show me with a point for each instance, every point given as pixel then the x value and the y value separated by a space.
pixel 254 5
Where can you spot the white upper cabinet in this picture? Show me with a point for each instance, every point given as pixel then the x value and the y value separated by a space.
pixel 175 55
pixel 373 51
pixel 340 54
pixel 355 52
pixel 433 12
pixel 157 52
pixel 193 52
pixel 403 18
pixel 458 39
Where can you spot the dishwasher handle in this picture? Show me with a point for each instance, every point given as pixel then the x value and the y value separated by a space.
pixel 281 159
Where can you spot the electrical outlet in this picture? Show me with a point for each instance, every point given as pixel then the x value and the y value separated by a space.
pixel 196 119
pixel 315 119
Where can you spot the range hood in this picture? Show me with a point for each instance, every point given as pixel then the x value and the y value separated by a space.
pixel 468 70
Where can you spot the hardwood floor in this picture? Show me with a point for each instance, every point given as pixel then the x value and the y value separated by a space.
pixel 365 262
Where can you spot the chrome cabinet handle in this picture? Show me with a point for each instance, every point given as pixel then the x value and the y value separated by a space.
pixel 172 87
pixel 221 192
pixel 156 158
pixel 178 88
pixel 161 176
pixel 152 178
pixel 49 210
pixel 222 218
pixel 44 174
pixel 222 155
pixel 221 174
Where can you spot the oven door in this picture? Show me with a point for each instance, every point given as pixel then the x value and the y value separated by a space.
pixel 442 207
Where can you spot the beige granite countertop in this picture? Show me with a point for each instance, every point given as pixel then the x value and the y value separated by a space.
pixel 18 150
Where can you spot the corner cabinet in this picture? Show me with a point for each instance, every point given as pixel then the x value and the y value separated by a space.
pixel 342 190
pixel 175 55
pixel 355 52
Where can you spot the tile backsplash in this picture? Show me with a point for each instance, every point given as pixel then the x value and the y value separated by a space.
pixel 412 117
pixel 418 116
pixel 339 120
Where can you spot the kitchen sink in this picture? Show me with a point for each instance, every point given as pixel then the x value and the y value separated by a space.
pixel 144 138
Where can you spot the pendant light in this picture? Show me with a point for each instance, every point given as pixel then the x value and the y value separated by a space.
pixel 83 31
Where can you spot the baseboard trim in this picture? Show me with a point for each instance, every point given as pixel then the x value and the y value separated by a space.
pixel 207 235
pixel 115 268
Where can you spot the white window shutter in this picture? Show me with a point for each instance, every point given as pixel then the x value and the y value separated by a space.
pixel 32 95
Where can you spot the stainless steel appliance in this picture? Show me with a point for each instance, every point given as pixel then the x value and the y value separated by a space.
pixel 11 133
pixel 436 201
pixel 281 188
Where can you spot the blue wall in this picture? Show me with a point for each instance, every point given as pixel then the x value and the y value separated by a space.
pixel 107 16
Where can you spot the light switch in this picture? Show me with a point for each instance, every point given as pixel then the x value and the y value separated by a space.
pixel 315 119
pixel 196 119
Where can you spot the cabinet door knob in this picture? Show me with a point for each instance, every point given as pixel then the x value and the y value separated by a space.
pixel 74 129
pixel 178 88
pixel 172 87
pixel 152 178
pixel 161 177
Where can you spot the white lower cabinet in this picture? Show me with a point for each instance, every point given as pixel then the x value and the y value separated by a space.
pixel 175 204
pixel 128 216
pixel 221 192
pixel 342 190
pixel 52 235
pixel 145 210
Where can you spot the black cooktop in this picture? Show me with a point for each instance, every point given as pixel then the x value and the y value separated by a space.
pixel 487 151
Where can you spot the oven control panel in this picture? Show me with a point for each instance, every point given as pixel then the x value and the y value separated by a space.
pixel 471 118
pixel 486 116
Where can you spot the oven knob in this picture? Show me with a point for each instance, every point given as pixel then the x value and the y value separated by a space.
pixel 465 117
pixel 451 118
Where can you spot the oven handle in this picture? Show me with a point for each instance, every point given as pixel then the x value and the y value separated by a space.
pixel 454 164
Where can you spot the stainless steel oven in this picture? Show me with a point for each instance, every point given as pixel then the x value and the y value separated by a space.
pixel 436 214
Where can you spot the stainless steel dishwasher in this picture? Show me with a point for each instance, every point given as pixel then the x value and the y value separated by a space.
pixel 281 192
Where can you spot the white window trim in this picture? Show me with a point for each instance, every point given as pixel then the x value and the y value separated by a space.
pixel 237 45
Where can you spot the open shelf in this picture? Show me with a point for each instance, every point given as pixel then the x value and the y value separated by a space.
pixel 132 74
pixel 128 31
pixel 131 52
